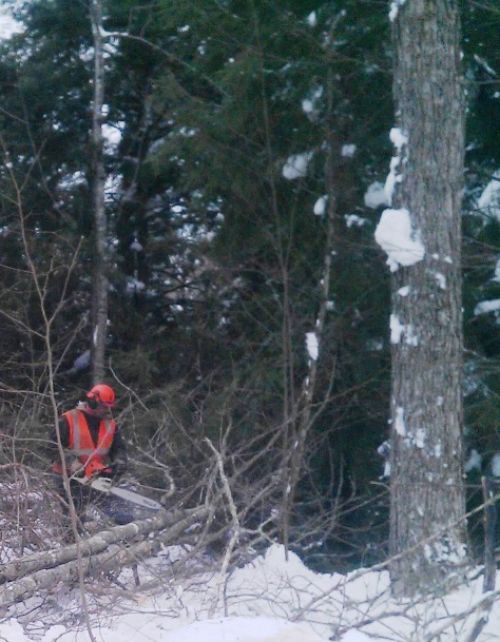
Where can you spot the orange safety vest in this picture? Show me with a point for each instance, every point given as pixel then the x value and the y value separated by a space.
pixel 81 449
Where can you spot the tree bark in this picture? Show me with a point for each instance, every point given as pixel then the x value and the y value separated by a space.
pixel 427 495
pixel 100 287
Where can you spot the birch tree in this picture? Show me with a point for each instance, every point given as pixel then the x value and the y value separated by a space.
pixel 425 188
pixel 100 288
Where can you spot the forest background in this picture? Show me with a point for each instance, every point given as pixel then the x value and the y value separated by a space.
pixel 246 146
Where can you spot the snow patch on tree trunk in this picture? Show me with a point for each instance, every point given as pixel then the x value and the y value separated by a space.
pixel 395 236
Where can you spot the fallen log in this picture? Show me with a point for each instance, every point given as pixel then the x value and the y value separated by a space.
pixel 175 523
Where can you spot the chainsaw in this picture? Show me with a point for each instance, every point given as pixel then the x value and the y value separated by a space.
pixel 105 485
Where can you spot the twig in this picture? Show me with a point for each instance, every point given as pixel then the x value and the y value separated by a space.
pixel 236 527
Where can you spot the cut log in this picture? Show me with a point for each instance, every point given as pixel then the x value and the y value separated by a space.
pixel 106 550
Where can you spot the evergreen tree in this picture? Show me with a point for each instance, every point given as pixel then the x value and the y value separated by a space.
pixel 245 147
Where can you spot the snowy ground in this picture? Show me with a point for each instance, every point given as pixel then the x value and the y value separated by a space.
pixel 268 600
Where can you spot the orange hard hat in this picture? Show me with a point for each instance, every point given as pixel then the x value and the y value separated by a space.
pixel 102 394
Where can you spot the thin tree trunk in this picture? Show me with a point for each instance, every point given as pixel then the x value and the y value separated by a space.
pixel 305 413
pixel 100 287
pixel 426 406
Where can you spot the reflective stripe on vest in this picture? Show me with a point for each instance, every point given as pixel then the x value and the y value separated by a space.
pixel 81 445
pixel 103 437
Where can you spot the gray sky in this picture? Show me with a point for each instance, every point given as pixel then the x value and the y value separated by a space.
pixel 8 25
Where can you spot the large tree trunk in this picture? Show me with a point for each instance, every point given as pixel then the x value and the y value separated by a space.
pixel 100 286
pixel 427 496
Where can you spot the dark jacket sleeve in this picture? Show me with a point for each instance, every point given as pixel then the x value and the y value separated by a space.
pixel 118 454
pixel 53 449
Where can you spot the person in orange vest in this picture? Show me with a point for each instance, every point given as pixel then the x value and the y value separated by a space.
pixel 91 442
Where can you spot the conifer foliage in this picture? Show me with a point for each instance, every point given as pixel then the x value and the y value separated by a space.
pixel 245 146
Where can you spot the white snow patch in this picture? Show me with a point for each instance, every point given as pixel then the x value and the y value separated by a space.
pixel 312 345
pixel 243 629
pixel 420 438
pixel 496 276
pixel 397 136
pixel 384 450
pixel 86 54
pixel 296 165
pixel 69 181
pixel 320 205
pixel 395 236
pixel 307 106
pixel 187 132
pixel 375 196
pixel 495 465
pixel 394 9
pixel 404 291
pixel 354 220
pixel 399 423
pixel 489 201
pixel 399 140
pixel 355 636
pixel 411 339
pixel 112 186
pixel 487 306
pixel 8 25
pixel 473 462
pixel 112 134
pixel 310 104
pixel 348 150
pixel 261 602
pixel 441 280
pixel 397 329
pixel 444 551
pixel 136 246
pixel 312 19
pixel 134 285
